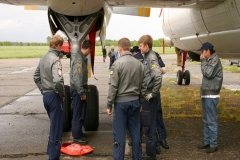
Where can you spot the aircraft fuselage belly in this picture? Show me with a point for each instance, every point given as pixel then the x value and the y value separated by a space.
pixel 75 8
pixel 219 25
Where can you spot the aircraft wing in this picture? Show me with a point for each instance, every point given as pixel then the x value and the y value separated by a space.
pixel 24 2
pixel 203 4
pixel 135 3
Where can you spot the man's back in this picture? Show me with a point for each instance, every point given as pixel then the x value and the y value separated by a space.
pixel 127 76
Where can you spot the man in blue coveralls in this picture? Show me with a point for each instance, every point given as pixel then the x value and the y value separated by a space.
pixel 49 79
pixel 149 108
pixel 127 92
pixel 161 133
pixel 79 87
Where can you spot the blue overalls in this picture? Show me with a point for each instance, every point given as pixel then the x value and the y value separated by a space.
pixel 161 133
pixel 126 114
pixel 148 118
pixel 54 106
pixel 79 112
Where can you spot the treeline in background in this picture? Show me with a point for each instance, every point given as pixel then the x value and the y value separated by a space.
pixel 156 43
pixel 7 43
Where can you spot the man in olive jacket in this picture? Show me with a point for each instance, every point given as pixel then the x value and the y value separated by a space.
pixel 79 87
pixel 127 92
pixel 49 79
pixel 210 92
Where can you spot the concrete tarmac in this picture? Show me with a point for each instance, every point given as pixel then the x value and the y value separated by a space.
pixel 25 125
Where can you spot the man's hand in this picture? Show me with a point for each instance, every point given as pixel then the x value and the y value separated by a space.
pixel 202 56
pixel 83 98
pixel 63 98
pixel 109 112
pixel 149 96
pixel 140 108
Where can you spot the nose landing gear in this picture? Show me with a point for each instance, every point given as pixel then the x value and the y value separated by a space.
pixel 181 74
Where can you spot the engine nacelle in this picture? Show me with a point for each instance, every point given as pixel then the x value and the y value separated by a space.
pixel 168 41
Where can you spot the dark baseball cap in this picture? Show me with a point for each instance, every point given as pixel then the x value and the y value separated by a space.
pixel 135 49
pixel 206 46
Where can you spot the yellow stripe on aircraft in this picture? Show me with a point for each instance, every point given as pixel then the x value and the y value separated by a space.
pixel 144 12
pixel 27 7
pixel 34 7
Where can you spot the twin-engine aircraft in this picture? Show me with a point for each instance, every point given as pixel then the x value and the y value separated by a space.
pixel 186 23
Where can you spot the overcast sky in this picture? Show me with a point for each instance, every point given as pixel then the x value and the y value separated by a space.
pixel 17 24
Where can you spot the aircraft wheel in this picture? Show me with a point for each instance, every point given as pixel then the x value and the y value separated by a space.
pixel 68 55
pixel 179 77
pixel 230 62
pixel 67 114
pixel 187 77
pixel 91 120
pixel 239 64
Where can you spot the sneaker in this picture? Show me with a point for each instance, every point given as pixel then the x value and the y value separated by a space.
pixel 80 140
pixel 204 146
pixel 211 149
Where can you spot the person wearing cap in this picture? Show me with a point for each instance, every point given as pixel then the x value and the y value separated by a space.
pixel 212 72
pixel 137 53
pixel 149 108
pixel 127 91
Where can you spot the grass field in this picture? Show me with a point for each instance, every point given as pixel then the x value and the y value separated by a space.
pixel 7 52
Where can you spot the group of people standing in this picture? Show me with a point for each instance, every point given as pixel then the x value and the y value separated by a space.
pixel 49 79
pixel 112 54
pixel 135 82
pixel 134 90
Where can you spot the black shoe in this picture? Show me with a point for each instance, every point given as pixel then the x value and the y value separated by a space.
pixel 80 141
pixel 164 144
pixel 211 149
pixel 130 143
pixel 204 146
pixel 158 150
pixel 144 156
pixel 84 135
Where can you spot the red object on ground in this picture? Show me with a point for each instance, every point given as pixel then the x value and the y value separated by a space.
pixel 74 149
pixel 66 47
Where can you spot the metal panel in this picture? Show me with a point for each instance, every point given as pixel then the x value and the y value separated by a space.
pixel 219 18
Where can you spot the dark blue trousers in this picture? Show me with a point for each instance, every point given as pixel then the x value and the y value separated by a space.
pixel 54 106
pixel 126 115
pixel 79 112
pixel 111 62
pixel 161 133
pixel 148 118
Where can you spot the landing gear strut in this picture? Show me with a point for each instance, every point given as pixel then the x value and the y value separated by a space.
pixel 182 74
pixel 76 29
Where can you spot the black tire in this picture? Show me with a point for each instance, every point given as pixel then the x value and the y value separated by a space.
pixel 187 77
pixel 68 55
pixel 91 120
pixel 67 114
pixel 230 63
pixel 239 64
pixel 179 77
